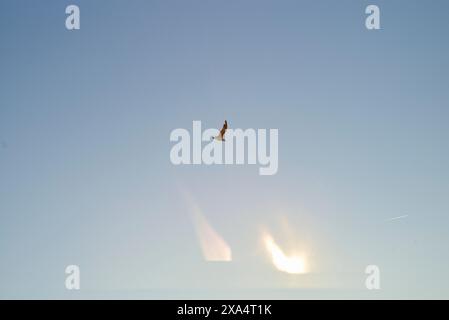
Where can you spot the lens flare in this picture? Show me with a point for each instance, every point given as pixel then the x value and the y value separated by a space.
pixel 213 246
pixel 293 264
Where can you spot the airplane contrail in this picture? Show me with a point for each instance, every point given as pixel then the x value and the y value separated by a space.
pixel 396 218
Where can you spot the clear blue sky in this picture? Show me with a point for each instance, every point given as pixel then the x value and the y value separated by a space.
pixel 85 119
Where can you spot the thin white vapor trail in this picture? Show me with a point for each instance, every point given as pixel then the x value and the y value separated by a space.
pixel 397 218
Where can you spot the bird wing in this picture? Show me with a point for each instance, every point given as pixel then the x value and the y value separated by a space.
pixel 223 130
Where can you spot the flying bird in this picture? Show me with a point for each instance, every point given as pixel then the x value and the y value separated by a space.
pixel 220 137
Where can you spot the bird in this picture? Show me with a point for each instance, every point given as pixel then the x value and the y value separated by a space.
pixel 220 137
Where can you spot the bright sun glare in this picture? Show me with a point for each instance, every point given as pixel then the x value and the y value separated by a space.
pixel 293 264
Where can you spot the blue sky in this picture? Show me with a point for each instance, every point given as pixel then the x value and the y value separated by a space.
pixel 85 173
